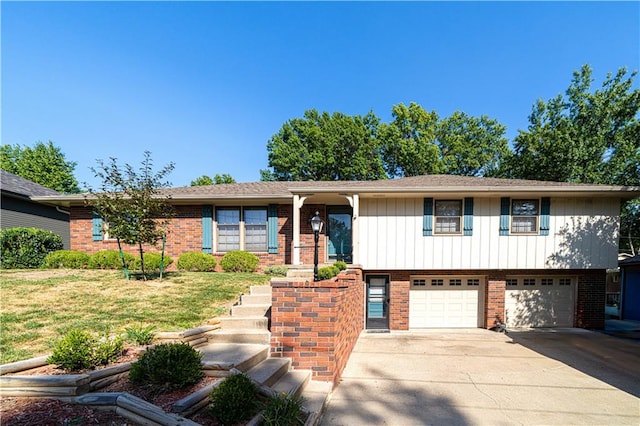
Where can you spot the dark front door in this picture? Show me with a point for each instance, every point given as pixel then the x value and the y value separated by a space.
pixel 339 233
pixel 377 302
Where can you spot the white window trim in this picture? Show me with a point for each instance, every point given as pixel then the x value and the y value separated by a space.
pixel 460 217
pixel 427 279
pixel 537 217
pixel 241 226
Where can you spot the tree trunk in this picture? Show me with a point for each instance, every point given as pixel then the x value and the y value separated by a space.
pixel 144 276
pixel 124 263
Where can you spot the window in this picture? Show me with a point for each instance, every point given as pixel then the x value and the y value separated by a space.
pixel 564 281
pixel 546 281
pixel 512 282
pixel 419 282
pixel 242 229
pixel 473 281
pixel 437 282
pixel 524 216
pixel 448 216
pixel 529 281
pixel 455 282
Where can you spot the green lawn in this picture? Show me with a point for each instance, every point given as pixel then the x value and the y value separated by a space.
pixel 38 306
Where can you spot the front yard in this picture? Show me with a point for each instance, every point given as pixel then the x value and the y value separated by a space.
pixel 38 306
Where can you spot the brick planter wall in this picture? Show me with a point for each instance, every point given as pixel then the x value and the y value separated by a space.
pixel 316 324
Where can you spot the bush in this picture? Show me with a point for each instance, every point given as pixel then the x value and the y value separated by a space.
pixel 340 265
pixel 277 270
pixel 79 350
pixel 69 259
pixel 235 400
pixel 109 259
pixel 168 366
pixel 27 247
pixel 283 410
pixel 196 261
pixel 152 262
pixel 239 261
pixel 141 335
pixel 327 272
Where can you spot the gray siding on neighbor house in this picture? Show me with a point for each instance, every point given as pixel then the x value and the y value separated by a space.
pixel 18 212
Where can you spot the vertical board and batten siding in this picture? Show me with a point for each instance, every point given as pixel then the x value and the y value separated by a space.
pixel 583 234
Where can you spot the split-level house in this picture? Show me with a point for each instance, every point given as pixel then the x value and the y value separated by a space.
pixel 434 250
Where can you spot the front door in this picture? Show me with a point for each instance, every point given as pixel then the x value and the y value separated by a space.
pixel 377 302
pixel 339 233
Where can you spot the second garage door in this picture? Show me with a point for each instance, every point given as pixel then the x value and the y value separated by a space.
pixel 539 302
pixel 443 302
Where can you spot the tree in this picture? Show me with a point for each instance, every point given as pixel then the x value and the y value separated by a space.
pixel 418 142
pixel 325 147
pixel 205 180
pixel 44 164
pixel 131 202
pixel 584 136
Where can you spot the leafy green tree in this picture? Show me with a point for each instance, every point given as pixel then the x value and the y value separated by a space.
pixel 132 204
pixel 325 147
pixel 44 164
pixel 418 142
pixel 408 142
pixel 585 135
pixel 205 180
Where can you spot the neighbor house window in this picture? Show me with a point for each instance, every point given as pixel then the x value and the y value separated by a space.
pixel 241 229
pixel 524 216
pixel 448 215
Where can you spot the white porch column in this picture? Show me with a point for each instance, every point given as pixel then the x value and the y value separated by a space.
pixel 298 202
pixel 355 236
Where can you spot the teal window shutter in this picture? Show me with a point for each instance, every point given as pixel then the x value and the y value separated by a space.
pixel 468 217
pixel 207 229
pixel 427 218
pixel 545 210
pixel 505 212
pixel 97 227
pixel 272 228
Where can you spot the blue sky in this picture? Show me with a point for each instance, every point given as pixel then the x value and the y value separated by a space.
pixel 206 84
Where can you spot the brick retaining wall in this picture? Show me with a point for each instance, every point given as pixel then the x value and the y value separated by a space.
pixel 317 324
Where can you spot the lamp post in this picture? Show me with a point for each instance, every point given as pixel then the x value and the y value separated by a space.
pixel 316 226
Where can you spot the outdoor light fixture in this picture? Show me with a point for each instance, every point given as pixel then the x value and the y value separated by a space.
pixel 316 226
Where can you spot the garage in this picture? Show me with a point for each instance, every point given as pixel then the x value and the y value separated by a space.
pixel 444 302
pixel 539 302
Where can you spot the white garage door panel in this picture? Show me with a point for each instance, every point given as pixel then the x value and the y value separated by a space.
pixel 539 307
pixel 443 308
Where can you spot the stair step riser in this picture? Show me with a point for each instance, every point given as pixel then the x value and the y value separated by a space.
pixel 249 310
pixel 261 289
pixel 270 370
pixel 292 383
pixel 240 337
pixel 235 323
pixel 255 299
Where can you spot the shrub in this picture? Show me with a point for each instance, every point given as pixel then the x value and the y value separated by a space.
pixel 168 366
pixel 327 272
pixel 109 259
pixel 27 247
pixel 70 259
pixel 283 410
pixel 79 350
pixel 152 262
pixel 340 265
pixel 141 335
pixel 239 261
pixel 277 270
pixel 196 261
pixel 235 400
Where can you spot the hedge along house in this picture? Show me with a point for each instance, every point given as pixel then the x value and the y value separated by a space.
pixel 432 251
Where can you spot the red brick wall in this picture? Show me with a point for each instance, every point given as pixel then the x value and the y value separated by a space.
pixel 317 324
pixel 591 299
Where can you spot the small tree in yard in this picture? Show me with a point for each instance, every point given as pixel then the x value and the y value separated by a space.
pixel 131 203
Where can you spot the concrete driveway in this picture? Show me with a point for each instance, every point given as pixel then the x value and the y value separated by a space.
pixel 465 377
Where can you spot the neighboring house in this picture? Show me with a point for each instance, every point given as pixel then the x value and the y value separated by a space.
pixel 434 250
pixel 18 209
pixel 630 289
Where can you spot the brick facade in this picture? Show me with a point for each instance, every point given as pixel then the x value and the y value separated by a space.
pixel 316 324
pixel 590 289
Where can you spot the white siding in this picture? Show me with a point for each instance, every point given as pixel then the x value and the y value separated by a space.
pixel 583 234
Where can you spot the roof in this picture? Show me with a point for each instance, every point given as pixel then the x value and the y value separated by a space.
pixel 21 186
pixel 635 260
pixel 440 184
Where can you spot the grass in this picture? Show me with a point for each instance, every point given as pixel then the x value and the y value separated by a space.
pixel 39 306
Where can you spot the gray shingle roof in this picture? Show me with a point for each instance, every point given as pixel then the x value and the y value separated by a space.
pixel 21 186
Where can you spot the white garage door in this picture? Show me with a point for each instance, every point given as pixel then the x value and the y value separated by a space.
pixel 443 302
pixel 539 302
